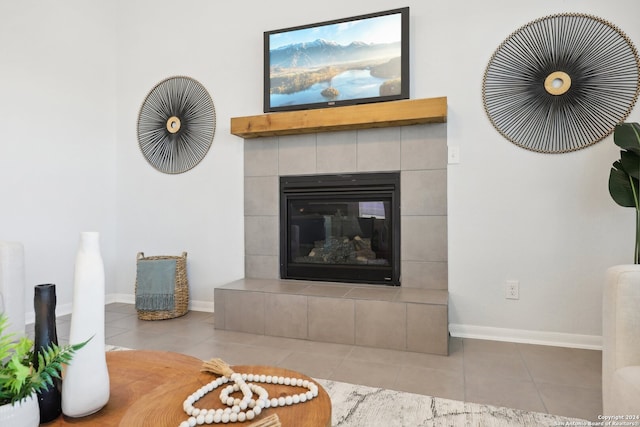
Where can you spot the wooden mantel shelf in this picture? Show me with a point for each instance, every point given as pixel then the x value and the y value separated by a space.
pixel 376 115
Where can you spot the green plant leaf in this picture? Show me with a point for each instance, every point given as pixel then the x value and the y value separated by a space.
pixel 627 136
pixel 630 163
pixel 620 186
pixel 50 361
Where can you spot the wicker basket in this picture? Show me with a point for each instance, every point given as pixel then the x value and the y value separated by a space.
pixel 181 290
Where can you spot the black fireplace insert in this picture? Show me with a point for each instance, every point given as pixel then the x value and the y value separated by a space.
pixel 341 228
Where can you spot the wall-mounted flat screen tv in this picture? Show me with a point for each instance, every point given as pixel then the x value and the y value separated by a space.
pixel 347 61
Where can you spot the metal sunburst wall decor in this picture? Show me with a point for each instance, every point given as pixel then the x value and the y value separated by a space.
pixel 561 83
pixel 176 125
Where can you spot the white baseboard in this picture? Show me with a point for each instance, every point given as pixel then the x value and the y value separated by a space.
pixel 195 305
pixel 64 309
pixel 557 339
pixel 123 298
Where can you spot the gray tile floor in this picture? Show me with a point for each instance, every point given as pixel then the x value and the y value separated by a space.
pixel 555 380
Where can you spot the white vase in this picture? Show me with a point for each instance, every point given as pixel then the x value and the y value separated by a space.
pixel 24 413
pixel 85 384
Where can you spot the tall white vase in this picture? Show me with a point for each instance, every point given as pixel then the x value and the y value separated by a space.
pixel 85 384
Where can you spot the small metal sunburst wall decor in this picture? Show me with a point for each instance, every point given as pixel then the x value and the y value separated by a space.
pixel 561 83
pixel 176 125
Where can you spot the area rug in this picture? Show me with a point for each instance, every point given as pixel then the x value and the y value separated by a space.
pixel 354 405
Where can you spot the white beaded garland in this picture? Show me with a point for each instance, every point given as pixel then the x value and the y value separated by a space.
pixel 247 408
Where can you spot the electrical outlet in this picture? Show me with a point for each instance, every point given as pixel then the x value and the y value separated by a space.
pixel 512 289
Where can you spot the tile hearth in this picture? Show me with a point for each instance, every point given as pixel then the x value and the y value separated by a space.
pixel 396 318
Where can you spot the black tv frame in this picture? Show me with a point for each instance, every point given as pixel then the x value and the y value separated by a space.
pixel 404 64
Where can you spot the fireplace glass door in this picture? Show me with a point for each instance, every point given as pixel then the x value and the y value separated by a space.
pixel 340 229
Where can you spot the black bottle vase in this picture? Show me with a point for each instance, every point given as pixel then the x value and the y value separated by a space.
pixel 44 302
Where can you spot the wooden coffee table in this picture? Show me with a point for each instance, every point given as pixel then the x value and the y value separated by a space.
pixel 148 388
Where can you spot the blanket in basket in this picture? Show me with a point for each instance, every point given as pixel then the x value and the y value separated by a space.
pixel 156 284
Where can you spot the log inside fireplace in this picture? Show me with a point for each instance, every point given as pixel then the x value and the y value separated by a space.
pixel 341 228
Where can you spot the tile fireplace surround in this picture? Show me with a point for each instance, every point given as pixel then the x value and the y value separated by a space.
pixel 411 317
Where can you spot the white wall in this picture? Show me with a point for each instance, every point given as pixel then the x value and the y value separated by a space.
pixel 200 211
pixel 545 220
pixel 57 135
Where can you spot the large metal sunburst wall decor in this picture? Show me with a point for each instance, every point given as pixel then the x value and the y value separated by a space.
pixel 561 83
pixel 176 125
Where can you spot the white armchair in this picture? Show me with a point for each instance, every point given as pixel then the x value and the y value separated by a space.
pixel 621 341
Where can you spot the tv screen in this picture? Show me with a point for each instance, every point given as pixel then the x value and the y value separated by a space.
pixel 342 62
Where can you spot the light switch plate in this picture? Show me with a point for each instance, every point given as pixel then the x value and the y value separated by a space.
pixel 454 155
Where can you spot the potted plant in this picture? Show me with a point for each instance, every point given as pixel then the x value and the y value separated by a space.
pixel 20 381
pixel 620 390
pixel 625 174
